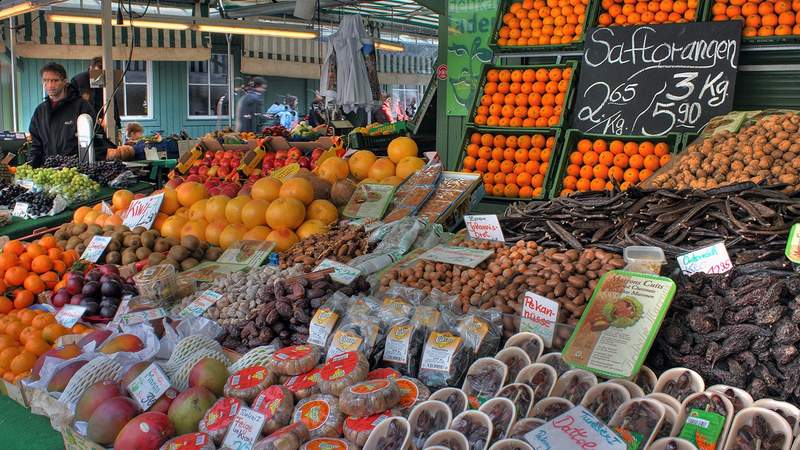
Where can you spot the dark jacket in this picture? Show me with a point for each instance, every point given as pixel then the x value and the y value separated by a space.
pixel 250 111
pixel 81 82
pixel 54 129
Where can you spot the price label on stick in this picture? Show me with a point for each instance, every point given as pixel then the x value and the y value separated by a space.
pixel 712 259
pixel 149 386
pixel 133 318
pixel 199 306
pixel 142 211
pixel 539 315
pixel 106 209
pixel 20 210
pixel 793 244
pixel 462 256
pixel 484 227
pixel 95 248
pixel 245 429
pixel 70 315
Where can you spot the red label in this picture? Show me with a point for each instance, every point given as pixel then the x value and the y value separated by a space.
pixel 292 353
pixel 369 387
pixel 409 392
pixel 248 377
pixel 192 441
pixel 327 444
pixel 441 72
pixel 220 416
pixel 365 424
pixel 314 413
pixel 303 381
pixel 268 401
pixel 386 373
pixel 339 366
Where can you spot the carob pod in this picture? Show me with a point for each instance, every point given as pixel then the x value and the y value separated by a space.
pixel 476 426
pixel 523 427
pixel 412 392
pixel 248 382
pixel 426 419
pixel 391 434
pixel 276 404
pixel 294 360
pixel 219 417
pixel 358 429
pixel 369 397
pixel 290 437
pixel 604 399
pixel 540 378
pixel 191 441
pixel 503 415
pixel 638 417
pixel 454 398
pixel 304 385
pixel 574 384
pixel 484 379
pixel 521 395
pixel 341 372
pixel 321 414
pixel 327 443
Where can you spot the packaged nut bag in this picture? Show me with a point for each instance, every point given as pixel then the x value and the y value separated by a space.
pixel 216 421
pixel 321 327
pixel 248 382
pixel 369 397
pixel 276 404
pixel 294 360
pixel 483 330
pixel 304 385
pixel 342 371
pixel 321 414
pixel 445 356
pixel 358 331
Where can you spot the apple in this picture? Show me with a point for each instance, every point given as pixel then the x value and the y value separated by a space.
pixel 193 170
pixel 316 153
pixel 195 178
pixel 304 162
pixel 224 171
pixel 279 163
pixel 295 153
pixel 270 156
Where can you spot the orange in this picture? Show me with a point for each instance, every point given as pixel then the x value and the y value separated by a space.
pixel 661 149
pixel 644 174
pixel 34 284
pixel 570 182
pixel 600 171
pixel 521 155
pixel 599 146
pixel 498 190
pixel 7 355
pixel 469 162
pixel 651 162
pixel 14 329
pixel 475 138
pixel 524 179
pixel 615 173
pixel 631 175
pixel 606 158
pixel 53 331
pixel 55 253
pixel 621 160
pixel 590 158
pixel 576 158
pixel 34 250
pixel 492 75
pixel 497 154
pixel 5 305
pixel 41 264
pixel 499 178
pixel 664 160
pixel 23 362
pixel 511 191
pixel 37 346
pixel 494 166
pixel 537 180
pixel 23 299
pixel 487 139
pixel 636 161
pixel 26 316
pixel 587 173
pixel 15 276
pixel 27 333
pixel 631 148
pixel 525 192
pixel 48 242
pixel 583 185
pixel 597 184
pixel 42 320
pixel 646 148
pixel 25 261
pixel 765 8
pixel 507 166
pixel 524 142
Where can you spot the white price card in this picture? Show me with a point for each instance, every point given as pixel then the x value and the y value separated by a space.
pixel 792 250
pixel 462 256
pixel 198 307
pixel 575 429
pixel 70 315
pixel 106 209
pixel 133 318
pixel 142 212
pixel 95 248
pixel 149 386
pixel 539 315
pixel 151 154
pixel 245 430
pixel 27 184
pixel 20 210
pixel 712 259
pixel 485 227
pixel 342 273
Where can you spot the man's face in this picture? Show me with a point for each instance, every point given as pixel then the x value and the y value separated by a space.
pixel 53 84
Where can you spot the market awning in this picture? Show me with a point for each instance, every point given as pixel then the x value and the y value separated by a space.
pixel 39 38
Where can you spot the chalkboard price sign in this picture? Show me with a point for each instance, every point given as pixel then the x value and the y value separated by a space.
pixel 655 79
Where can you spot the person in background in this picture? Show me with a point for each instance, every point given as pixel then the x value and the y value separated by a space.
pixel 82 81
pixel 288 117
pixel 384 113
pixel 250 107
pixel 134 131
pixel 316 113
pixel 53 127
pixel 411 108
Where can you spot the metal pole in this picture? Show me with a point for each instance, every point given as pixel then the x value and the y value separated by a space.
pixel 230 82
pixel 12 37
pixel 108 66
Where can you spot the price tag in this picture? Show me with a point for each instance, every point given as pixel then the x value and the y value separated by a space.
pixel 95 248
pixel 149 386
pixel 27 184
pixel 245 429
pixel 539 315
pixel 150 154
pixel 20 210
pixel 432 156
pixel 793 244
pixel 342 273
pixel 484 227
pixel 106 209
pixel 70 315
pixel 462 256
pixel 142 316
pixel 142 211
pixel 577 428
pixel 712 259
pixel 199 306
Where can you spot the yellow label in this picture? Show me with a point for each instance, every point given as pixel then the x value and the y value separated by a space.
pixel 477 327
pixel 321 326
pixel 285 171
pixel 439 351
pixel 343 342
pixel 396 306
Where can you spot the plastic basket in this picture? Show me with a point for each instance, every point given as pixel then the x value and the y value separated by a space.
pixel 571 138
pixel 757 40
pixel 98 369
pixel 554 154
pixel 364 142
pixel 186 348
pixel 568 98
pixel 258 356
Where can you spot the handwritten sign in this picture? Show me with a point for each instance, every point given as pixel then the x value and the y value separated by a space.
pixel 712 259
pixel 203 301
pixel 142 211
pixel 95 248
pixel 655 79
pixel 133 318
pixel 20 210
pixel 539 315
pixel 462 256
pixel 244 430
pixel 485 227
pixel 70 315
pixel 151 154
pixel 575 429
pixel 149 386
pixel 793 244
pixel 342 273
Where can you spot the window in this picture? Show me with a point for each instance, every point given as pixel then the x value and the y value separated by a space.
pixel 134 96
pixel 208 88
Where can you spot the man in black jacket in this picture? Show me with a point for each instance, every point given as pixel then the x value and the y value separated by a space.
pixel 82 81
pixel 54 123
pixel 251 107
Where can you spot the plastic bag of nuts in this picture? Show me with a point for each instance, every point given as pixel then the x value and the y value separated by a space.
pixel 276 404
pixel 321 327
pixel 321 414
pixel 481 330
pixel 358 331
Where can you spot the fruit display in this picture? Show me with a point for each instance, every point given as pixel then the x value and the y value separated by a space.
pixel 524 97
pixel 102 172
pixel 305 132
pixel 761 18
pixel 68 182
pixel 595 165
pixel 511 165
pixel 339 243
pixel 644 12
pixel 532 23
pixel 39 203
pixel 9 194
pixel 100 290
pixel 280 158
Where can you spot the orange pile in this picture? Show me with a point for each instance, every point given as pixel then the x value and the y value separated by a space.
pixel 593 165
pixel 761 17
pixel 646 12
pixel 95 215
pixel 511 166
pixel 523 98
pixel 27 270
pixel 543 22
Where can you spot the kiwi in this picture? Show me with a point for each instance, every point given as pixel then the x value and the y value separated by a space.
pixel 62 244
pixel 113 246
pixel 155 258
pixel 78 228
pixel 72 242
pixel 86 235
pixel 108 233
pixel 142 253
pixel 199 254
pixel 188 263
pixel 95 229
pixel 132 241
pixel 161 245
pixel 213 253
pixel 172 242
pixel 128 257
pixel 139 230
pixel 149 239
pixel 174 263
pixel 80 248
pixel 113 257
pixel 120 228
pixel 178 253
pixel 190 242
pixel 61 234
pixel 118 236
pixel 108 228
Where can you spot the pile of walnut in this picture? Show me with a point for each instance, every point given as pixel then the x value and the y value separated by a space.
pixel 340 243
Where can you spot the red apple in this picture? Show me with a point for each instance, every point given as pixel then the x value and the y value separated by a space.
pixel 295 153
pixel 281 154
pixel 316 153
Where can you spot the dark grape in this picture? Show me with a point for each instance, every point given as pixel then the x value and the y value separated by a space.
pixel 39 203
pixel 102 172
pixel 9 193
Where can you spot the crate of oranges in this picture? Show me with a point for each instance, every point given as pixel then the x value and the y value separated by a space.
pixel 524 96
pixel 541 24
pixel 589 162
pixel 648 12
pixel 765 21
pixel 512 164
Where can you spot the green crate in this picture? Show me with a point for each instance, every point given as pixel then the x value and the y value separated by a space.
pixel 502 9
pixel 554 156
pixel 674 140
pixel 364 142
pixel 758 40
pixel 568 98
pixel 698 17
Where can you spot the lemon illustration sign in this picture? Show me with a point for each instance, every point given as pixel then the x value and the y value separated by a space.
pixel 470 25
